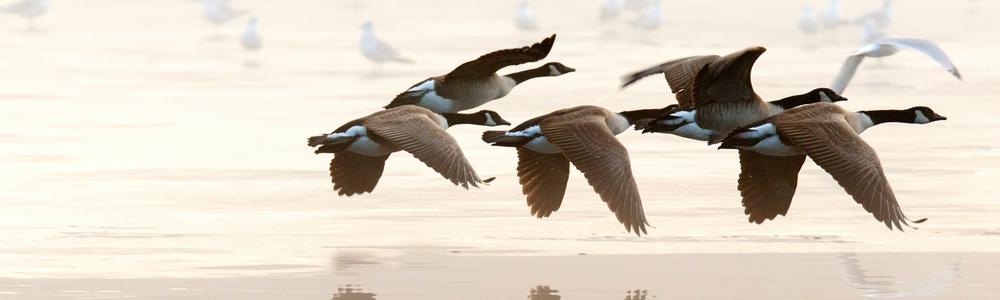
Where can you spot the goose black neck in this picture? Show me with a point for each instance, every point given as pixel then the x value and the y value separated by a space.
pixel 457 119
pixel 523 76
pixel 793 101
pixel 634 116
pixel 889 116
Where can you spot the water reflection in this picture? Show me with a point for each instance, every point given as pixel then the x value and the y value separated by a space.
pixel 636 295
pixel 543 292
pixel 899 275
pixel 352 292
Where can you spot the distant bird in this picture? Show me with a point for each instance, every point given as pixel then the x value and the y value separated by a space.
pixel 881 18
pixel 870 32
pixel 218 11
pixel 525 17
pixel 377 50
pixel 475 83
pixel 831 16
pixel 29 9
pixel 637 5
pixel 611 9
pixel 809 20
pixel 585 137
pixel 361 147
pixel 888 46
pixel 651 17
pixel 251 36
pixel 772 152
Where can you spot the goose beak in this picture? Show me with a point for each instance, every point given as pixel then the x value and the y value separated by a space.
pixel 839 98
pixel 939 118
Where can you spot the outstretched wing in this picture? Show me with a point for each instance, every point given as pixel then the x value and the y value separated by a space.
pixel 727 79
pixel 543 179
pixel 490 63
pixel 680 75
pixel 353 173
pixel 767 184
pixel 927 47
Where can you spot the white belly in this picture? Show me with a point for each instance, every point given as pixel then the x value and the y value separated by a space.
pixel 694 132
pixel 437 104
pixel 365 146
pixel 542 145
pixel 774 147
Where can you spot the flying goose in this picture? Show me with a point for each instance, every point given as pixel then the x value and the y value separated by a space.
pixel 29 9
pixel 716 93
pixel 584 136
pixel 376 50
pixel 772 152
pixel 475 82
pixel 888 46
pixel 250 38
pixel 361 146
pixel 525 18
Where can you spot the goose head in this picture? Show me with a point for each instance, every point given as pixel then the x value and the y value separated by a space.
pixel 556 69
pixel 826 95
pixel 924 115
pixel 483 118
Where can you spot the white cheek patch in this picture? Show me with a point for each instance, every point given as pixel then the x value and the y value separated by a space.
pixel 921 118
pixel 489 120
pixel 823 97
pixel 554 71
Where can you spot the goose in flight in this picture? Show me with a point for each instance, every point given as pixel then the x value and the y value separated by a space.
pixel 887 46
pixel 772 153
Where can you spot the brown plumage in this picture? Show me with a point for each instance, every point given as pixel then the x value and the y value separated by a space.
pixel 353 173
pixel 724 95
pixel 585 137
pixel 680 74
pixel 492 62
pixel 767 184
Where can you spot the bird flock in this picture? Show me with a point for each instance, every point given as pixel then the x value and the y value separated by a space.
pixel 716 103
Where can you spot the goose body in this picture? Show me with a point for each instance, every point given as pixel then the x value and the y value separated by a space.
pixel 772 153
pixel 715 95
pixel 376 50
pixel 361 146
pixel 250 38
pixel 475 83
pixel 585 137
pixel 886 46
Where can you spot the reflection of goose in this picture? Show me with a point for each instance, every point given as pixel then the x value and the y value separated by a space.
pixel 885 47
pixel 899 284
pixel 525 18
pixel 636 295
pixel 351 292
pixel 543 292
pixel 29 9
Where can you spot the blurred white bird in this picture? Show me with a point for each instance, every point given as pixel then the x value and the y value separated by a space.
pixel 525 18
pixel 377 50
pixel 651 18
pixel 888 46
pixel 611 9
pixel 870 32
pixel 29 9
pixel 250 39
pixel 637 5
pixel 831 16
pixel 809 20
pixel 218 11
pixel 881 17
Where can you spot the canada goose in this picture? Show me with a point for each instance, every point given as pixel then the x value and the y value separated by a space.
pixel 29 9
pixel 772 152
pixel 361 146
pixel 585 136
pixel 250 38
pixel 716 93
pixel 525 18
pixel 218 11
pixel 475 82
pixel 377 50
pixel 809 20
pixel 888 46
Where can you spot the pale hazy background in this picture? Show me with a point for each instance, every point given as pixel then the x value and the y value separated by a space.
pixel 145 154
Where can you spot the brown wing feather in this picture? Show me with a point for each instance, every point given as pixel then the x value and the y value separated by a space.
pixel 680 74
pixel 587 142
pixel 839 150
pixel 490 63
pixel 411 128
pixel 543 179
pixel 353 173
pixel 767 184
pixel 727 79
